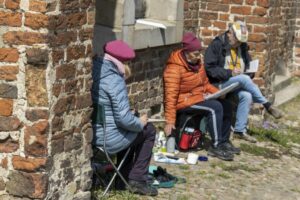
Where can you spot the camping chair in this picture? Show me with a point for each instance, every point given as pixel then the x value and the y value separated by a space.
pixel 98 116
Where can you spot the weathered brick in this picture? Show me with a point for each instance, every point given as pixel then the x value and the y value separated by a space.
pixel 83 101
pixel 24 38
pixel 9 72
pixel 218 7
pixel 36 114
pixel 8 145
pixel 263 3
pixel 1 3
pixel 9 55
pixel 28 164
pixel 29 185
pixel 260 29
pixel 57 56
pixel 256 20
pixel 10 19
pixel 220 25
pixel 10 123
pixel 260 11
pixel 64 104
pixel 57 124
pixel 36 56
pixel 250 2
pixel 63 38
pixel 75 52
pixel 36 90
pixel 236 1
pixel 254 37
pixel 67 21
pixel 86 34
pixel 8 91
pixel 6 107
pixel 66 71
pixel 38 6
pixel 12 4
pixel 224 17
pixel 242 10
pixel 208 15
pixel 3 163
pixel 69 5
pixel 56 89
pixel 71 86
pixel 36 139
pixel 36 21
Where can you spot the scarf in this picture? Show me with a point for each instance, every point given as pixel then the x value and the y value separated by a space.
pixel 119 64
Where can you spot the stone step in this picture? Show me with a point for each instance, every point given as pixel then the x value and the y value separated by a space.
pixel 288 93
pixel 281 82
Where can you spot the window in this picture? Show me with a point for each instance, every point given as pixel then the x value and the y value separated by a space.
pixel 141 23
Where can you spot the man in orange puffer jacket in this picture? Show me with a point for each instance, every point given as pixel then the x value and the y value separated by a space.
pixel 185 85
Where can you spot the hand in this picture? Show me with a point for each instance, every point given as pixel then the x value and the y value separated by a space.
pixel 168 129
pixel 144 119
pixel 236 71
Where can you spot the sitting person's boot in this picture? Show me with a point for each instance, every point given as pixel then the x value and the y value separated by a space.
pixel 228 146
pixel 275 112
pixel 142 187
pixel 220 152
pixel 244 136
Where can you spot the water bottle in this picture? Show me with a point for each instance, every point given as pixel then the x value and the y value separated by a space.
pixel 171 144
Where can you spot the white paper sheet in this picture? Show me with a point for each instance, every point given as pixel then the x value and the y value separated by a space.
pixel 253 67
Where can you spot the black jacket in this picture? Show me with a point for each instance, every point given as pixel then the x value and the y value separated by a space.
pixel 215 59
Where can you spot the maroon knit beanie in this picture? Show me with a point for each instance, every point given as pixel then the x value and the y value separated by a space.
pixel 190 42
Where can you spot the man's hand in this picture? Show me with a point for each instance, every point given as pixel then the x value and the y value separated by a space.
pixel 236 71
pixel 168 129
pixel 144 119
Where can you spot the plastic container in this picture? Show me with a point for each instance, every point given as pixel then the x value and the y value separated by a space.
pixel 170 144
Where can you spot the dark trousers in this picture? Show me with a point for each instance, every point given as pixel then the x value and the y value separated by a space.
pixel 137 163
pixel 218 113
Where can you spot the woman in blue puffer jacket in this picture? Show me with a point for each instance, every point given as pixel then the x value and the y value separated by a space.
pixel 123 129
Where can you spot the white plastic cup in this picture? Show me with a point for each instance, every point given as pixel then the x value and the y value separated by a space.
pixel 192 158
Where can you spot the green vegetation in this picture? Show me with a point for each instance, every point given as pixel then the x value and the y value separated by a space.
pixel 224 175
pixel 259 151
pixel 115 195
pixel 184 167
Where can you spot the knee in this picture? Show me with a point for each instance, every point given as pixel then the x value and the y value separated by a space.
pixel 218 108
pixel 245 97
pixel 150 131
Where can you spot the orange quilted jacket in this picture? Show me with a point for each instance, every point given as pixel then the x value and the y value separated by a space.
pixel 182 86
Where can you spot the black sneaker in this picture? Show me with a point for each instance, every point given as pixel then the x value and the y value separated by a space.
pixel 141 187
pixel 228 146
pixel 220 152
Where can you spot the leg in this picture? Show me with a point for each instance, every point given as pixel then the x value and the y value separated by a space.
pixel 227 116
pixel 248 85
pixel 143 152
pixel 243 109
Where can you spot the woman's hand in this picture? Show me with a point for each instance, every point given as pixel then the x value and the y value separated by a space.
pixel 168 129
pixel 236 71
pixel 144 119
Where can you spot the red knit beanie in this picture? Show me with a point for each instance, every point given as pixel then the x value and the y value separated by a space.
pixel 190 42
pixel 120 50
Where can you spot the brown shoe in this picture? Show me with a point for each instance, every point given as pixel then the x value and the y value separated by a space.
pixel 275 112
pixel 244 136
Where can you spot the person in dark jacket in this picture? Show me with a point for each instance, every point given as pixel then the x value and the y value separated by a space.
pixel 185 86
pixel 123 129
pixel 226 61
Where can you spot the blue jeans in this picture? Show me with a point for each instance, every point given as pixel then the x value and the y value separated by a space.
pixel 247 93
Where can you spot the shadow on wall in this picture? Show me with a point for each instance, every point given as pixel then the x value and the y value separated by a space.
pixel 105 22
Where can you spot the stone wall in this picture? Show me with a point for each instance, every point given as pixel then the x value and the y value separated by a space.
pixel 296 56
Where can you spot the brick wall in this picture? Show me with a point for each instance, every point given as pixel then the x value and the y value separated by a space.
pixel 296 49
pixel 45 68
pixel 271 26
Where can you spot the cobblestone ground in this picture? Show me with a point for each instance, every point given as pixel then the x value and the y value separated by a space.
pixel 270 171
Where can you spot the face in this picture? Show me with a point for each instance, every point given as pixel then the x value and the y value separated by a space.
pixel 233 41
pixel 193 57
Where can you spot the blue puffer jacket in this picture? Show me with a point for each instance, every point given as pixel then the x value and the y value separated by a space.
pixel 109 88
